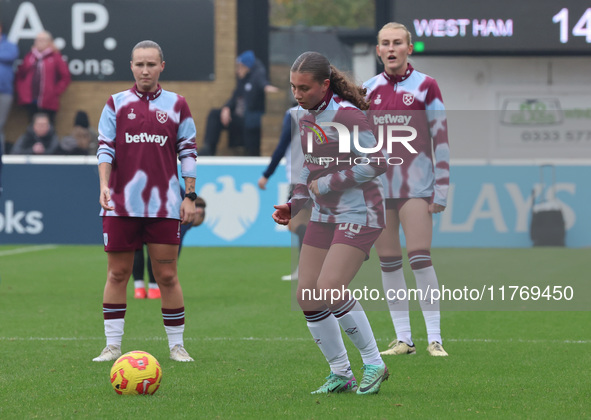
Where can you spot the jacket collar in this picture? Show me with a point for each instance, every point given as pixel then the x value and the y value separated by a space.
pixel 397 78
pixel 321 106
pixel 148 96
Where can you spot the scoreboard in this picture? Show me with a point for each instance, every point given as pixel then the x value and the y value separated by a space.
pixel 500 27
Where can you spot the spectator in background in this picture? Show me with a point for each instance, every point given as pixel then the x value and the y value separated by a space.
pixel 242 113
pixel 8 54
pixel 83 140
pixel 39 139
pixel 0 172
pixel 42 78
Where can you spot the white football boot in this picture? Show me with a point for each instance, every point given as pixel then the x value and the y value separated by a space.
pixel 109 353
pixel 179 354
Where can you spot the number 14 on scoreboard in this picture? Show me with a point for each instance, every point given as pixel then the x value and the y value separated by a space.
pixel 582 28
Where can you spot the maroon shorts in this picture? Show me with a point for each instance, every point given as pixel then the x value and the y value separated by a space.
pixel 131 233
pixel 323 235
pixel 397 203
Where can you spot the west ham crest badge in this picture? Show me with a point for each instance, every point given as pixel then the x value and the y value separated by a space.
pixel 408 99
pixel 161 116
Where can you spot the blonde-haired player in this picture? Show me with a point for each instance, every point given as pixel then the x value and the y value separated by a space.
pixel 414 190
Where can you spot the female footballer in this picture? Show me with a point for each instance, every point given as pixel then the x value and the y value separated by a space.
pixel 141 132
pixel 347 217
pixel 415 189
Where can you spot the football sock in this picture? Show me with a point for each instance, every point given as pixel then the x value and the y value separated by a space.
pixel 420 261
pixel 174 325
pixel 153 285
pixel 139 284
pixel 354 322
pixel 327 335
pixel 114 320
pixel 393 279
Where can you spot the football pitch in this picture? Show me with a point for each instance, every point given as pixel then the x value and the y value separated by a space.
pixel 255 357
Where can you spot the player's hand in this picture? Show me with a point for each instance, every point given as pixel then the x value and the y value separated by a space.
pixel 313 187
pixel 188 211
pixel 282 214
pixel 436 208
pixel 263 183
pixel 104 199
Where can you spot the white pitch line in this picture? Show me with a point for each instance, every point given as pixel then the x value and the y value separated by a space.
pixel 26 249
pixel 514 340
pixel 291 339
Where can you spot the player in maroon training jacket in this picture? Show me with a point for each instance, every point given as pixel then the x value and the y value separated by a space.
pixel 414 190
pixel 347 217
pixel 142 131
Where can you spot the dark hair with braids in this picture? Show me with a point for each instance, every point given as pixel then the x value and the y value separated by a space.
pixel 320 68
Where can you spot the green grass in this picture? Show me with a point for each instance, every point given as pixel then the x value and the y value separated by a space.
pixel 254 356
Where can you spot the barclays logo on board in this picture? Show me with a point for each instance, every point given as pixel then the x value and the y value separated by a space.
pixel 20 222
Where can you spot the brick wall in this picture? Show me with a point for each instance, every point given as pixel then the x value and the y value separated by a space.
pixel 201 96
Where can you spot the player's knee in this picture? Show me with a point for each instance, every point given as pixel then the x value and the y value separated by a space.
pixel 303 294
pixel 308 298
pixel 118 275
pixel 388 248
pixel 166 279
pixel 328 283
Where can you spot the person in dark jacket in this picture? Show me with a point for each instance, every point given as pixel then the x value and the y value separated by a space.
pixel 82 140
pixel 241 115
pixel 39 139
pixel 8 54
pixel 42 77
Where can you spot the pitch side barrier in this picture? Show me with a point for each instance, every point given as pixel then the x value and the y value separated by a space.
pixel 54 200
